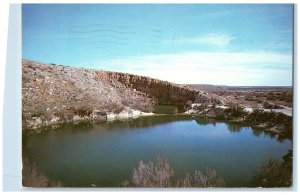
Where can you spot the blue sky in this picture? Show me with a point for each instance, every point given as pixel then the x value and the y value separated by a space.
pixel 225 44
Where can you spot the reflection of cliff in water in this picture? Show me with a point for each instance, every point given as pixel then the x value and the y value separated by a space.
pixel 150 121
pixel 147 121
pixel 278 137
pixel 205 121
pixel 131 123
pixel 234 127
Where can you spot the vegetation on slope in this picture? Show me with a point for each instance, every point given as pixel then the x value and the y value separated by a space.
pixel 53 94
pixel 274 122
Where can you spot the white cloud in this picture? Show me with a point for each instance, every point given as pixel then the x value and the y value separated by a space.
pixel 238 68
pixel 216 39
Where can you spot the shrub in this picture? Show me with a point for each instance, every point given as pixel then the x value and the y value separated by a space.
pixel 289 98
pixel 199 179
pixel 272 173
pixel 152 175
pixel 113 107
pixel 83 112
pixel 65 115
pixel 236 111
pixel 258 100
pixel 286 96
pixel 159 174
pixel 249 98
pixel 37 113
pixel 32 178
pixel 268 105
pixel 259 116
pixel 165 109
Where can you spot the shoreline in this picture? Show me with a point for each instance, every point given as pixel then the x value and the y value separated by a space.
pixel 128 113
pixel 37 123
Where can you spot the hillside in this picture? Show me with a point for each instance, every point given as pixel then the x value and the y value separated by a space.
pixel 55 93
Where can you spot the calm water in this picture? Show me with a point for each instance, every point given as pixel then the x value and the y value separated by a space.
pixel 105 154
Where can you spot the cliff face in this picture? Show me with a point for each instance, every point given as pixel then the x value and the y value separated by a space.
pixel 55 93
pixel 163 92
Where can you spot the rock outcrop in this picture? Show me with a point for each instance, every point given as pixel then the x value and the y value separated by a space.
pixel 164 92
pixel 55 93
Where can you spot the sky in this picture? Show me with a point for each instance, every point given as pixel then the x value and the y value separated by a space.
pixel 220 44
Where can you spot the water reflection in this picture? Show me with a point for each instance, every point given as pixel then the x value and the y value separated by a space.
pixel 145 122
pixel 105 152
pixel 234 127
pixel 206 121
pixel 256 132
pixel 155 120
pixel 259 132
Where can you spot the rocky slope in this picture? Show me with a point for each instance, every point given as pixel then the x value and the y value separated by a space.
pixel 55 93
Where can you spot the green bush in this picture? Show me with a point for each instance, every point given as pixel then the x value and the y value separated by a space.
pixel 259 116
pixel 165 109
pixel 235 111
pixel 268 105
pixel 271 97
pixel 83 112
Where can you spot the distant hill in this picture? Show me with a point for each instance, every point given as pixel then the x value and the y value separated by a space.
pixel 220 88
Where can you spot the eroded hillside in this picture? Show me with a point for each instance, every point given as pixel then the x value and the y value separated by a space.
pixel 55 93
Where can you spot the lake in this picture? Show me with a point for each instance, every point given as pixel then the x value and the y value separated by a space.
pixel 105 154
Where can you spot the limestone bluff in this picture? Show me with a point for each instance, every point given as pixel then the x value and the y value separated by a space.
pixel 55 93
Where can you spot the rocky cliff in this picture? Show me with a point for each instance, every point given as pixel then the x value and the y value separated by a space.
pixel 55 93
pixel 163 92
